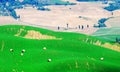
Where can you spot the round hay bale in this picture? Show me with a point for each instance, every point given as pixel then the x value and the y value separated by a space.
pixel 21 54
pixel 11 50
pixel 44 48
pixel 49 60
pixel 23 51
pixel 101 58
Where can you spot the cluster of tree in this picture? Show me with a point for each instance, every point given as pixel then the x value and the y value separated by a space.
pixel 3 10
pixel 11 5
pixel 101 22
pixel 64 3
pixel 89 0
pixel 8 9
pixel 37 2
pixel 7 1
pixel 113 6
pixel 117 40
pixel 12 12
pixel 43 9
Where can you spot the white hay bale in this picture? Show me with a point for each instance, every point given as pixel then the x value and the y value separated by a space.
pixel 21 54
pixel 101 58
pixel 49 60
pixel 23 50
pixel 11 50
pixel 44 48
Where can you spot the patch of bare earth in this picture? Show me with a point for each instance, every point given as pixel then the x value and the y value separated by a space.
pixel 31 34
pixel 115 47
pixel 108 45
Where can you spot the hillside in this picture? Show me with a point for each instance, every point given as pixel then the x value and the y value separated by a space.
pixel 113 30
pixel 49 51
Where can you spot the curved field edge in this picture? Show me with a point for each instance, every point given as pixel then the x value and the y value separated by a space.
pixel 70 54
pixel 108 34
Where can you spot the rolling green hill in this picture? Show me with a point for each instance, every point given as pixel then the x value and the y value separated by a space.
pixel 68 52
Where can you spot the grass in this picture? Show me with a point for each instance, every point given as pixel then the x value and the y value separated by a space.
pixel 71 54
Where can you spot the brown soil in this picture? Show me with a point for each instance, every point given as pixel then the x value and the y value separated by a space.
pixel 108 45
pixel 113 47
pixel 31 34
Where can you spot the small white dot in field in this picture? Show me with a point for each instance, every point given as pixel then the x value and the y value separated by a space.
pixel 21 54
pixel 23 50
pixel 49 60
pixel 11 50
pixel 13 70
pixel 44 48
pixel 101 58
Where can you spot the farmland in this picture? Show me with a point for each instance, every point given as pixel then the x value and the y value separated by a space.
pixel 68 52
pixel 59 36
pixel 110 33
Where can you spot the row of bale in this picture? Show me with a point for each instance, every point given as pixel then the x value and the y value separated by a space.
pixel 44 48
pixel 23 51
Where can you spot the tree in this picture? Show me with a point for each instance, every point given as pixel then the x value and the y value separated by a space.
pixel 101 22
pixel 117 3
pixel 117 40
pixel 113 6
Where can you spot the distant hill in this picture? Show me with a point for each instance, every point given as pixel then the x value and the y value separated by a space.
pixel 7 7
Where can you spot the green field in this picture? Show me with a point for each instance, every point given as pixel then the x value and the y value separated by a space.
pixel 70 53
